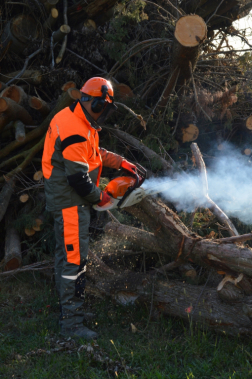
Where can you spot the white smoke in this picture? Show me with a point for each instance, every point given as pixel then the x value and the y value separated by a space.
pixel 229 185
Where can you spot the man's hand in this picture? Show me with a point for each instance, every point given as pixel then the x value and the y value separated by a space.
pixel 104 199
pixel 128 166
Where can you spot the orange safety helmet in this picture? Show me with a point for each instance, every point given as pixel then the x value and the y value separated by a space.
pixel 93 87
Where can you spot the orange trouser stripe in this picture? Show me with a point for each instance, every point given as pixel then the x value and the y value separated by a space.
pixel 71 234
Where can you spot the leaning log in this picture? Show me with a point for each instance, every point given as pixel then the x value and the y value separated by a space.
pixel 39 105
pixel 190 33
pixel 166 165
pixel 19 130
pixel 10 111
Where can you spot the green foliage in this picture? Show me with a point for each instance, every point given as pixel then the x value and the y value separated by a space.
pixel 127 13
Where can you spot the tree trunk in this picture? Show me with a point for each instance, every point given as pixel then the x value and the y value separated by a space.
pixel 12 111
pixel 190 32
pixel 39 105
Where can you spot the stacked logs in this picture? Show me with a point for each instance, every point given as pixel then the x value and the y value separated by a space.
pixel 18 115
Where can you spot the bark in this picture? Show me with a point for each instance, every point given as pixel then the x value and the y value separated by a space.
pixel 198 304
pixel 182 244
pixel 13 255
pixel 12 111
pixel 190 33
pixel 39 105
pixel 5 196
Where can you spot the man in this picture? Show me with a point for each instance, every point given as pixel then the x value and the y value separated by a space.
pixel 72 164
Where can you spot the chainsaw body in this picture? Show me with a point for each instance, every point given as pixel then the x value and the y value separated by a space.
pixel 125 191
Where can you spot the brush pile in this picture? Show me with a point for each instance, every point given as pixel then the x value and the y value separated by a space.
pixel 177 79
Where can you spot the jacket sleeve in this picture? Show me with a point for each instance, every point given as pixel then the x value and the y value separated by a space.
pixel 110 159
pixel 75 150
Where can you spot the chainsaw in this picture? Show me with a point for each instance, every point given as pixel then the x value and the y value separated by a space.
pixel 128 190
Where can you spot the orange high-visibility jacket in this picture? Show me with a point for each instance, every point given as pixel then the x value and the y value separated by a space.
pixel 72 160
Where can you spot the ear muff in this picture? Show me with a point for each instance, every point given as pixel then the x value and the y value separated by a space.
pixel 99 103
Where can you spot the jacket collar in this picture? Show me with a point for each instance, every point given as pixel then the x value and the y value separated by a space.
pixel 78 109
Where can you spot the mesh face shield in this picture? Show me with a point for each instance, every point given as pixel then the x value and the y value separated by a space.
pixel 109 109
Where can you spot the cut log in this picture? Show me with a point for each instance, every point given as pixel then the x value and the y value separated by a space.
pixel 13 255
pixel 50 4
pixel 51 20
pixel 12 111
pixel 21 30
pixel 190 133
pixel 190 33
pixel 249 123
pixel 5 196
pixel 19 130
pixel 30 76
pixel 38 176
pixel 124 91
pixel 24 197
pixel 247 151
pixel 61 33
pixel 15 93
pixel 68 85
pixel 29 232
pixel 65 100
pixel 38 223
pixel 39 105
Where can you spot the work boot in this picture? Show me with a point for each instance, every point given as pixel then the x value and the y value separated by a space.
pixel 79 331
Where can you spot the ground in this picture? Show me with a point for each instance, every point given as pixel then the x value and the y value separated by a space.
pixel 31 347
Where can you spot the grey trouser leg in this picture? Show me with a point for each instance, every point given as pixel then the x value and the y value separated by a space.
pixel 71 232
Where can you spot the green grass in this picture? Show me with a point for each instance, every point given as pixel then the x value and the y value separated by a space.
pixel 167 348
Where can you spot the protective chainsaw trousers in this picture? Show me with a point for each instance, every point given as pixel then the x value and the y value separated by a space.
pixel 72 235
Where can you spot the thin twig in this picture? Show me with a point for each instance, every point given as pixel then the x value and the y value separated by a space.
pixel 196 95
pixel 138 116
pixel 113 217
pixel 80 57
pixel 25 66
pixel 216 10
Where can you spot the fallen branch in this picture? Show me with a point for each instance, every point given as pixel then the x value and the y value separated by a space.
pixel 25 66
pixel 221 216
pixel 5 196
pixel 138 116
